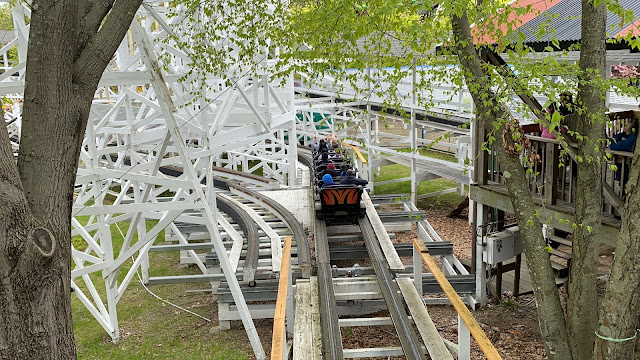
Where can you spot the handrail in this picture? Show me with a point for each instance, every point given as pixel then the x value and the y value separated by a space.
pixel 360 156
pixel 279 337
pixel 474 328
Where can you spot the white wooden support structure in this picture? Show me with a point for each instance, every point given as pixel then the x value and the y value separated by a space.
pixel 464 340
pixel 167 106
pixel 307 340
pixel 412 137
pixel 426 328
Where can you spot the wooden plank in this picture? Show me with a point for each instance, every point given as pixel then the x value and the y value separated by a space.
pixel 358 153
pixel 613 198
pixel 387 351
pixel 385 242
pixel 430 336
pixel 278 342
pixel 302 337
pixel 238 241
pixel 476 331
pixel 316 330
pixel 496 196
pixel 370 321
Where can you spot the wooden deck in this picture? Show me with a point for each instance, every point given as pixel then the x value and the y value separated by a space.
pixel 495 195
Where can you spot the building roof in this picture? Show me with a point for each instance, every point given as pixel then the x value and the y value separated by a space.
pixel 537 8
pixel 634 29
pixel 564 17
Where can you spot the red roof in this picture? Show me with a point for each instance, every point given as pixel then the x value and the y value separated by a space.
pixel 633 29
pixel 481 32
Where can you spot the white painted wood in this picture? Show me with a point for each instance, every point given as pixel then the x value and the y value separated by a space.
pixel 464 341
pixel 385 242
pixel 426 327
pixel 274 237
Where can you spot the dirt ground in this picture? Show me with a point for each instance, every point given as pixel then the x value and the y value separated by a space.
pixel 511 324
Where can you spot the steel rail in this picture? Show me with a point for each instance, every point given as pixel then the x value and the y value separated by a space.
pixel 251 260
pixel 390 292
pixel 250 231
pixel 331 335
pixel 302 244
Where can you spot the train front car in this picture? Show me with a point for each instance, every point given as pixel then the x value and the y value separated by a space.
pixel 335 203
pixel 341 204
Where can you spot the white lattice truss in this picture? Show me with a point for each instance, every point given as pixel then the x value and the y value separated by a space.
pixel 143 119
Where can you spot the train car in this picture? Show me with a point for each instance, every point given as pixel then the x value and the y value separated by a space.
pixel 340 203
pixel 337 203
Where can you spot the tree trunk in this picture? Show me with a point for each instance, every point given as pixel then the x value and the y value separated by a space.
pixel 619 312
pixel 67 53
pixel 582 302
pixel 550 312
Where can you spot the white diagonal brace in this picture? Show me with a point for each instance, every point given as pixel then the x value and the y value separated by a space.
pixel 166 103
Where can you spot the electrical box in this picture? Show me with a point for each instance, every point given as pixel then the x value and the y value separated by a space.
pixel 502 246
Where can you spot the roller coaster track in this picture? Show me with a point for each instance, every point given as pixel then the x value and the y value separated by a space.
pixel 250 231
pixel 391 293
pixel 304 253
pixel 247 224
pixel 331 336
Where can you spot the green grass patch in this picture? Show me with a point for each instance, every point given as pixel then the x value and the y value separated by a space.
pixel 397 171
pixel 150 328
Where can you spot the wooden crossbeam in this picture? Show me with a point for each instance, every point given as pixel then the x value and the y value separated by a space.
pixel 474 328
pixel 279 336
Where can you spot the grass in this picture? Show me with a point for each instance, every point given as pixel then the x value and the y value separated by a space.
pixel 150 328
pixel 396 171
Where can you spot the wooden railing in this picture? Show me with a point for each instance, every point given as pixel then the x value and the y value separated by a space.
pixel 357 151
pixel 553 175
pixel 279 339
pixel 464 315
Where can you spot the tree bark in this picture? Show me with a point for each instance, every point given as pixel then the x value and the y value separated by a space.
pixel 550 312
pixel 619 311
pixel 582 302
pixel 36 196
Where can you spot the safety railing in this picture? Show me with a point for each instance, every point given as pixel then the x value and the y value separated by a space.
pixel 553 174
pixel 360 162
pixel 284 307
pixel 467 324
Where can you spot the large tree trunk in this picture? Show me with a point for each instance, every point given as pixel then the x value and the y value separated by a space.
pixel 550 312
pixel 619 311
pixel 582 302
pixel 70 44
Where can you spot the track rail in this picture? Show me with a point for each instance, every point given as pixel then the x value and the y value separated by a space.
pixel 331 335
pixel 251 261
pixel 391 293
pixel 302 244
pixel 250 231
